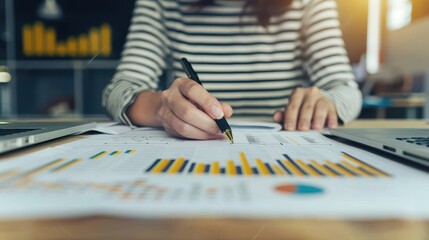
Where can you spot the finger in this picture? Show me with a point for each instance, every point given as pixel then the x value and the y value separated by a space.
pixel 227 109
pixel 182 129
pixel 190 114
pixel 292 109
pixel 320 115
pixel 201 97
pixel 278 116
pixel 307 111
pixel 332 118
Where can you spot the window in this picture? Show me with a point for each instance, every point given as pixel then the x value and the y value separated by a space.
pixel 2 31
pixel 399 14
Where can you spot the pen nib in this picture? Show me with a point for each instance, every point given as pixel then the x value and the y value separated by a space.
pixel 228 134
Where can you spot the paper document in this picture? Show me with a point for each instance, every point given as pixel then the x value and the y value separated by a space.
pixel 147 173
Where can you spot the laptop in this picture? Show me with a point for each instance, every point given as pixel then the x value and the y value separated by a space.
pixel 411 144
pixel 18 135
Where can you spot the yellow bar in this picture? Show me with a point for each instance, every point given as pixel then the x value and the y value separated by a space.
pixel 295 171
pixel 83 45
pixel 308 169
pixel 247 170
pixel 94 40
pixel 39 32
pixel 355 169
pixel 262 169
pixel 106 39
pixel 215 168
pixel 338 169
pixel 101 155
pixel 45 167
pixel 199 169
pixel 51 41
pixel 61 49
pixel 132 152
pixel 323 169
pixel 230 168
pixel 8 174
pixel 368 168
pixel 68 165
pixel 161 165
pixel 278 171
pixel 117 153
pixel 72 48
pixel 176 166
pixel 27 40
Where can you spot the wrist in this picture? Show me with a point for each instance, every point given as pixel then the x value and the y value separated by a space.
pixel 144 110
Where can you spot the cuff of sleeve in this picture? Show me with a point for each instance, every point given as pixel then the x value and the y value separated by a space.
pixel 117 102
pixel 347 101
pixel 124 117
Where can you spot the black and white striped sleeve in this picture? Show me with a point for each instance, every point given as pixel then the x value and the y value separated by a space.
pixel 143 60
pixel 327 62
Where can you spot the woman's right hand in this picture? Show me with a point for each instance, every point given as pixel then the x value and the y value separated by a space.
pixel 187 110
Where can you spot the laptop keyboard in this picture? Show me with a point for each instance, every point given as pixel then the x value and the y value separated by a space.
pixel 5 132
pixel 421 141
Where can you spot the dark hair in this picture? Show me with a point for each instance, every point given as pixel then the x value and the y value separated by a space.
pixel 262 9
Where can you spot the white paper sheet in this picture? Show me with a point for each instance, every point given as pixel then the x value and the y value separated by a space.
pixel 278 174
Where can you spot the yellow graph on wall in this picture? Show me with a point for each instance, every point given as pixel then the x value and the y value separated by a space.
pixel 41 41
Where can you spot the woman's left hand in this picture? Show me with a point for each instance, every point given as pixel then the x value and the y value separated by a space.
pixel 308 109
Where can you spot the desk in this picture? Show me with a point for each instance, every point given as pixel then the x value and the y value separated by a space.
pixel 99 227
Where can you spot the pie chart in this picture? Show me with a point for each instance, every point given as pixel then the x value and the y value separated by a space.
pixel 298 189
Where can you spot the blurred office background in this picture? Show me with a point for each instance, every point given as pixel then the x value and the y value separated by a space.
pixel 61 53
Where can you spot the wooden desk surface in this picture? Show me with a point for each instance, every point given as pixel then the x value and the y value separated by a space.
pixel 99 227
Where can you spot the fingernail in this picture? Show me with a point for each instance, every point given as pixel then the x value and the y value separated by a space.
pixel 217 113
pixel 334 125
pixel 317 126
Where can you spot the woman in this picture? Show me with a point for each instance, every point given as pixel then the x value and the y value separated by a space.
pixel 266 59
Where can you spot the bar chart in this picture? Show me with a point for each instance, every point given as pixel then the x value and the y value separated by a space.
pixel 115 153
pixel 61 165
pixel 137 190
pixel 345 165
pixel 42 41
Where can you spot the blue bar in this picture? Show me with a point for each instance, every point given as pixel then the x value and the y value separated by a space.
pixel 332 170
pixel 366 164
pixel 207 168
pixel 64 165
pixel 239 171
pixel 270 169
pixel 298 167
pixel 183 166
pixel 168 166
pixel 191 168
pixel 153 165
pixel 255 171
pixel 98 154
pixel 316 170
pixel 284 167
pixel 222 170
pixel 287 157
pixel 348 170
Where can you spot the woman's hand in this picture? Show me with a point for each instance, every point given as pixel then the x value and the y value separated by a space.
pixel 308 109
pixel 187 110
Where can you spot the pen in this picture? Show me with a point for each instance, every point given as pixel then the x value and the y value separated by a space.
pixel 221 123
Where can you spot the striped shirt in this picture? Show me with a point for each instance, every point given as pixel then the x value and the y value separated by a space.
pixel 254 69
